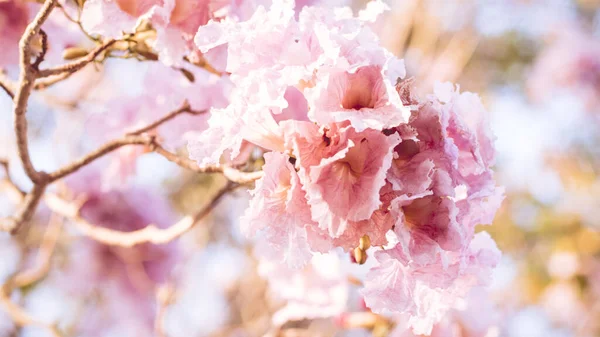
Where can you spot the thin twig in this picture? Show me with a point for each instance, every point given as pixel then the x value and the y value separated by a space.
pixel 26 209
pixel 164 297
pixel 44 83
pixel 7 84
pixel 230 173
pixel 151 233
pixel 75 66
pixel 21 317
pixel 184 108
pixel 30 276
pixel 99 152
pixel 138 137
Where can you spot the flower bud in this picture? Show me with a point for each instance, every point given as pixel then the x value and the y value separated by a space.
pixel 188 74
pixel 74 53
pixel 364 242
pixel 360 256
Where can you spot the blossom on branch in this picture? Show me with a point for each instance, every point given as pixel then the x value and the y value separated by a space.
pixel 350 151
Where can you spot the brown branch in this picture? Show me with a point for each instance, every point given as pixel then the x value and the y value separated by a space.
pixel 44 83
pixel 151 233
pixel 25 84
pixel 30 276
pixel 230 173
pixel 184 108
pixel 75 66
pixel 25 211
pixel 21 317
pixel 22 279
pixel 137 137
pixel 99 152
pixel 7 84
pixel 40 58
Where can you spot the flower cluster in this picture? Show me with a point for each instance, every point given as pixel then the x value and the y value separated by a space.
pixel 350 152
pixel 175 21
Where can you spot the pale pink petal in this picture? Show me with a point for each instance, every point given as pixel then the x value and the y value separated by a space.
pixel 320 290
pixel 279 212
pixel 427 292
pixel 105 17
pixel 362 97
pixel 222 135
pixel 345 185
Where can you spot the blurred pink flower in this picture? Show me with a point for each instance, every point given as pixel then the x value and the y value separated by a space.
pixel 14 17
pixel 568 64
pixel 319 290
pixel 131 275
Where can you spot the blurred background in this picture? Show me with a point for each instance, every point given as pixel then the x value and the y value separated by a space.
pixel 536 66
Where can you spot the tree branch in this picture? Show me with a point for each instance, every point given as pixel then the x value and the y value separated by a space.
pixel 36 273
pixel 25 84
pixel 184 108
pixel 25 211
pixel 21 317
pixel 75 66
pixel 25 278
pixel 99 152
pixel 7 84
pixel 230 173
pixel 151 233
pixel 137 137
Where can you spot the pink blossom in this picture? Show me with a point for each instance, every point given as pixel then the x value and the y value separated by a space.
pixel 319 290
pixel 426 292
pixel 568 64
pixel 271 53
pixel 342 171
pixel 14 17
pixel 365 97
pixel 351 151
pixel 279 197
pixel 175 21
pixel 475 316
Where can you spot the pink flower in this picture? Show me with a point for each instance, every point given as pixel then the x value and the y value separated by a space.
pixel 366 98
pixel 476 316
pixel 351 152
pixel 319 290
pixel 279 197
pixel 426 292
pixel 175 21
pixel 342 171
pixel 14 17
